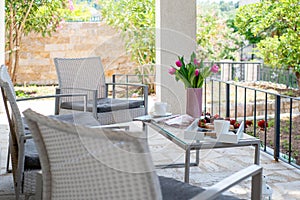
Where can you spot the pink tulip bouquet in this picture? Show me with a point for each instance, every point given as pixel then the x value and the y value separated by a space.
pixel 194 73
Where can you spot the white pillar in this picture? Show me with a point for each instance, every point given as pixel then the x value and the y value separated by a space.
pixel 2 45
pixel 175 36
pixel 2 32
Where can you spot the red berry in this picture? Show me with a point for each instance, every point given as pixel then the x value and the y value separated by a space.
pixel 236 125
pixel 232 121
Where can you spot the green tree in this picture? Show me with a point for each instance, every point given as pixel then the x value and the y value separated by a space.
pixel 23 17
pixel 136 20
pixel 78 12
pixel 275 26
pixel 215 38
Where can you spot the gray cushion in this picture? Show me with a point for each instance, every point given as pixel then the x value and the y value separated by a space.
pixel 177 190
pixel 32 160
pixel 105 105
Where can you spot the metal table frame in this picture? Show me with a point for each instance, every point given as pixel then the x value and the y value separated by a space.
pixel 188 147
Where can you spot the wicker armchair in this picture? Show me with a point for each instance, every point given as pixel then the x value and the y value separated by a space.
pixel 23 153
pixel 93 163
pixel 86 75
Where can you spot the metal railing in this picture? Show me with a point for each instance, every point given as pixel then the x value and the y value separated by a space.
pixel 240 102
pixel 225 97
pixel 231 70
pixel 281 76
pixel 255 71
pixel 238 71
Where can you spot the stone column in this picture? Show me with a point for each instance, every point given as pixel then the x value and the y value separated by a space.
pixel 2 44
pixel 175 36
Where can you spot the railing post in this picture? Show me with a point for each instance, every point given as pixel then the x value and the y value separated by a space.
pixel 114 87
pixel 205 94
pixel 127 80
pixel 266 117
pixel 212 97
pixel 277 128
pixel 245 107
pixel 235 103
pixel 219 98
pixel 254 117
pixel 290 129
pixel 227 100
pixel 258 72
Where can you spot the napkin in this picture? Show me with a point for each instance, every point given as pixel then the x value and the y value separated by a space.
pixel 181 120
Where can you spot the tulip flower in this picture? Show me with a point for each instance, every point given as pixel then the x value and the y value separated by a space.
pixel 172 70
pixel 193 72
pixel 197 72
pixel 178 63
pixel 214 69
pixel 196 62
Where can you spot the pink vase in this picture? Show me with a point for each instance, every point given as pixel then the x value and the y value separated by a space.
pixel 194 102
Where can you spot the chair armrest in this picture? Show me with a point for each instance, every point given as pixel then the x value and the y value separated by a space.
pixel 145 91
pixel 75 88
pixel 51 96
pixel 94 96
pixel 128 84
pixel 57 97
pixel 253 171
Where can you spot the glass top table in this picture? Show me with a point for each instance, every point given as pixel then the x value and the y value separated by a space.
pixel 176 135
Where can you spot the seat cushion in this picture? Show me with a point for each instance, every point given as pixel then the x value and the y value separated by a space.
pixel 176 190
pixel 32 160
pixel 105 105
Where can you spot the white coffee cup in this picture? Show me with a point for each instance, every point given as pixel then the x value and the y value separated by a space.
pixel 160 108
pixel 221 126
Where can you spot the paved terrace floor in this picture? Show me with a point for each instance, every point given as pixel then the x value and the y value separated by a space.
pixel 214 164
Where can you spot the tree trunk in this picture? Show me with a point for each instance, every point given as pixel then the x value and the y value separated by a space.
pixel 11 41
pixel 17 51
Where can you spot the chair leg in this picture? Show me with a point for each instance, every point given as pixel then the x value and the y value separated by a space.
pixel 20 171
pixel 8 158
pixel 39 185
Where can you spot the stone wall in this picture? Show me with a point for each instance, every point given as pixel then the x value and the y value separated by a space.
pixel 74 39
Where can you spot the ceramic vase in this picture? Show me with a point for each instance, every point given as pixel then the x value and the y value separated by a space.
pixel 194 102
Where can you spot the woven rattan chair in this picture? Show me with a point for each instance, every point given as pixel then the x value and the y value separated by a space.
pixel 23 153
pixel 92 163
pixel 86 75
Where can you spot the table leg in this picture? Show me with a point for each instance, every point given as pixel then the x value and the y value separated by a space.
pixel 197 157
pixel 145 130
pixel 257 154
pixel 187 165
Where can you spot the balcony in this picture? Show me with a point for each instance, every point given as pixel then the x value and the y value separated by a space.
pixel 214 164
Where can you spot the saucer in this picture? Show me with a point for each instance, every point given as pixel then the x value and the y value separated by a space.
pixel 159 115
